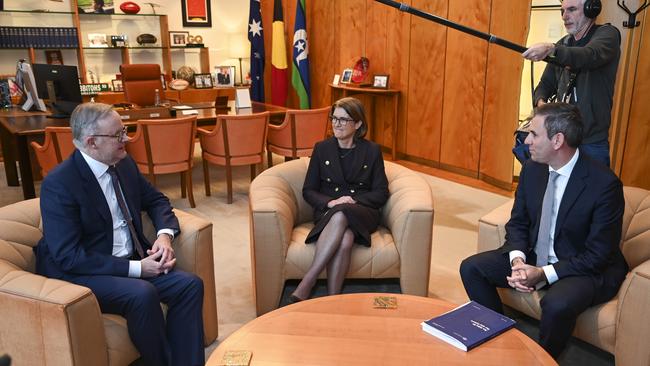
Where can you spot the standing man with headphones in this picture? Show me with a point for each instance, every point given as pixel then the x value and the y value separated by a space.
pixel 589 56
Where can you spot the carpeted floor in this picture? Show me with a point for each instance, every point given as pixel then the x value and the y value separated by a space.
pixel 457 210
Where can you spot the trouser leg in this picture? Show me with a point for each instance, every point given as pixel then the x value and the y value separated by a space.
pixel 482 273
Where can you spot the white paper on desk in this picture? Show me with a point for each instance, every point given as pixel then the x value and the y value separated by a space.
pixel 243 98
pixel 182 107
pixel 191 111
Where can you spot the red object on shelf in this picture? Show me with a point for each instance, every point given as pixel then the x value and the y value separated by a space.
pixel 130 7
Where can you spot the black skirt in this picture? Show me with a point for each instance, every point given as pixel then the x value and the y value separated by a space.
pixel 362 220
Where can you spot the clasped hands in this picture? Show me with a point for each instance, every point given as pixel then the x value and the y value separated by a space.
pixel 340 200
pixel 524 277
pixel 161 258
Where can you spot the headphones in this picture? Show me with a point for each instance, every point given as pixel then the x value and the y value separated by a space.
pixel 592 8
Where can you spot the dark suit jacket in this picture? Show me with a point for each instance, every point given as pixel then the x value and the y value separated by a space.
pixel 325 181
pixel 77 223
pixel 588 226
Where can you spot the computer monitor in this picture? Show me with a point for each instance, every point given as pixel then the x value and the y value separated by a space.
pixel 60 85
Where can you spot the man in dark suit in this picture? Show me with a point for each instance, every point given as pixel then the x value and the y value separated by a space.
pixel 92 236
pixel 564 231
pixel 223 77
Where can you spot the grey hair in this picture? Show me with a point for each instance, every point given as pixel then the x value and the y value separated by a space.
pixel 84 118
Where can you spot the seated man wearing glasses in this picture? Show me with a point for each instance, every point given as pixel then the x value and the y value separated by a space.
pixel 346 185
pixel 92 236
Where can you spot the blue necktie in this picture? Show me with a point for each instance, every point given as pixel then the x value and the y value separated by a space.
pixel 125 211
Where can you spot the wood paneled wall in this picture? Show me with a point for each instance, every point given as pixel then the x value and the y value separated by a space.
pixel 635 163
pixel 459 94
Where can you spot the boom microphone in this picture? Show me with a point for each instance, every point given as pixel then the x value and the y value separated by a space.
pixel 448 23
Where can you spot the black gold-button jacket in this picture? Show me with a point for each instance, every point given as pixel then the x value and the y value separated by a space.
pixel 366 183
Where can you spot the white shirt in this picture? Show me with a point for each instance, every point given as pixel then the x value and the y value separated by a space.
pixel 122 244
pixel 564 173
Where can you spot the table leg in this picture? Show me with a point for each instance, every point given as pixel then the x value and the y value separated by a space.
pixel 27 179
pixel 9 158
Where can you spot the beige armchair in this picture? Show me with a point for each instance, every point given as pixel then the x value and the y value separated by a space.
pixel 281 220
pixel 619 326
pixel 52 322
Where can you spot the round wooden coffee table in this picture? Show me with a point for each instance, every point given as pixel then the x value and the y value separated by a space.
pixel 347 330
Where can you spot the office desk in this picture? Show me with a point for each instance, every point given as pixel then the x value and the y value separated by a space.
pixel 18 128
pixel 393 94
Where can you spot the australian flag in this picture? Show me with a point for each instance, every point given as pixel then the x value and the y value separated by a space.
pixel 256 37
pixel 300 72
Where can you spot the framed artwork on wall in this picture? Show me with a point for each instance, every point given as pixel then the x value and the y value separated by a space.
pixel 196 13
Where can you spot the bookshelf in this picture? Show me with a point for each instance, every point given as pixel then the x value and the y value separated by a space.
pixel 106 58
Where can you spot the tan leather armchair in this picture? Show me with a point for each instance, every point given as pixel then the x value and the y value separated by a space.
pixel 281 220
pixel 619 326
pixel 52 322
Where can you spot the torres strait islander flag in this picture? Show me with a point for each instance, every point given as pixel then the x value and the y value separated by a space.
pixel 300 71
pixel 256 37
pixel 278 58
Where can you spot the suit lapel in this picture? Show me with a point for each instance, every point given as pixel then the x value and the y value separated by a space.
pixel 92 188
pixel 574 188
pixel 540 174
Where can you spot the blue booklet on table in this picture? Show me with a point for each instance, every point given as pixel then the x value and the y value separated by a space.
pixel 468 325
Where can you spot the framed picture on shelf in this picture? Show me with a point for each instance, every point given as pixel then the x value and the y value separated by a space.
pixel 54 57
pixel 346 77
pixel 96 6
pixel 117 85
pixel 97 40
pixel 225 75
pixel 196 13
pixel 178 38
pixel 202 81
pixel 380 81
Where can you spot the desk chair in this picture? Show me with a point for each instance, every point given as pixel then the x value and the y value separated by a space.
pixel 298 134
pixel 234 141
pixel 163 146
pixel 56 148
pixel 140 82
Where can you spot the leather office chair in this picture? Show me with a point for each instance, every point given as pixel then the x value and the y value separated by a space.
pixel 234 141
pixel 56 148
pixel 298 134
pixel 281 219
pixel 164 146
pixel 140 82
pixel 45 321
pixel 619 326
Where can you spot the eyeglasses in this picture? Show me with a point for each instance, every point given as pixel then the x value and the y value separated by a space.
pixel 120 136
pixel 342 121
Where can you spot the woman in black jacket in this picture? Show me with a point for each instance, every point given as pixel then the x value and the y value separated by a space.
pixel 346 185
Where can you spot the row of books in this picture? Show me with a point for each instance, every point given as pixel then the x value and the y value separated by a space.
pixel 38 37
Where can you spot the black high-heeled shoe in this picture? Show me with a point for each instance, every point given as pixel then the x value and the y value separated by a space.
pixel 294 299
